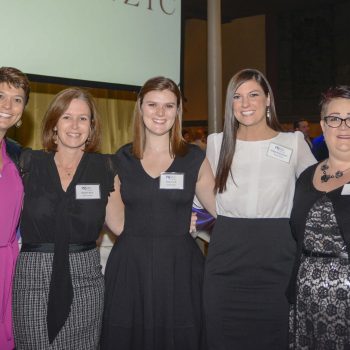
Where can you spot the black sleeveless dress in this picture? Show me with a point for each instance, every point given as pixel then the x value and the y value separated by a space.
pixel 154 273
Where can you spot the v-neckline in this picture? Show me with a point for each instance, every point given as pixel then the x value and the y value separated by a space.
pixel 157 177
pixel 56 177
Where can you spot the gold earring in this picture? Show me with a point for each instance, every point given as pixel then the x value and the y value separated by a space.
pixel 18 124
pixel 54 136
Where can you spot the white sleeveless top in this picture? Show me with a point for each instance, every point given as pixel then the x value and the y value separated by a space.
pixel 264 175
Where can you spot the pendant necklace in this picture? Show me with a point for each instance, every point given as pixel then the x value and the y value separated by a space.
pixel 325 177
pixel 68 171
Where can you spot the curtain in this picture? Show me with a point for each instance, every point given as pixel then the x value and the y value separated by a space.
pixel 115 108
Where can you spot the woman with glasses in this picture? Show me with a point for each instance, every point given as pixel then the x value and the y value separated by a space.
pixel 320 287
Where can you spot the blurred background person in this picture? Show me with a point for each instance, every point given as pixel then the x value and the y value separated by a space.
pixel 14 94
pixel 319 148
pixel 251 251
pixel 200 138
pixel 303 126
pixel 186 135
pixel 320 285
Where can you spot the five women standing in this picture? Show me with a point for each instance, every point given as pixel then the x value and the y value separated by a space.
pixel 155 271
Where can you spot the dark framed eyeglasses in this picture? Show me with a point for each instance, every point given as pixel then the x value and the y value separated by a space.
pixel 334 121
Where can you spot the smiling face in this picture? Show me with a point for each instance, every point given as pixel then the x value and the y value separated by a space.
pixel 337 139
pixel 12 103
pixel 159 111
pixel 249 104
pixel 73 126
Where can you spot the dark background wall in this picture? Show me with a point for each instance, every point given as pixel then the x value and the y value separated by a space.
pixel 307 51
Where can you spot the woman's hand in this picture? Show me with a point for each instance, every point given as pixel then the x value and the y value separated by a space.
pixel 193 229
pixel 115 210
pixel 205 188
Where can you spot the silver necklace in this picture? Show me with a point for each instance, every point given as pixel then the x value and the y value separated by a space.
pixel 325 177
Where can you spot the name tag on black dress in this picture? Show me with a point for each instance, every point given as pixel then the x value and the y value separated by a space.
pixel 87 191
pixel 171 181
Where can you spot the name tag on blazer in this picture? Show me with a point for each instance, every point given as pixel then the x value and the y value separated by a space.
pixel 171 181
pixel 87 191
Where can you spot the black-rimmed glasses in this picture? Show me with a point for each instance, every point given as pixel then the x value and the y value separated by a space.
pixel 334 121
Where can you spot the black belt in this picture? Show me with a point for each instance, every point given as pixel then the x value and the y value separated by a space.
pixel 312 254
pixel 50 247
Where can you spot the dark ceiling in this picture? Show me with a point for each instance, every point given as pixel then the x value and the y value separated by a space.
pixel 231 9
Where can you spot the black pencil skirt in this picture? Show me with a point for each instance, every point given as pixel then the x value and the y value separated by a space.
pixel 246 275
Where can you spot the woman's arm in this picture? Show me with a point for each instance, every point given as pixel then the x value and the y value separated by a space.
pixel 115 210
pixel 205 188
pixel 305 157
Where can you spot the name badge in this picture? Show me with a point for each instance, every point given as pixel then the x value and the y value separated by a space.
pixel 171 181
pixel 87 191
pixel 279 152
pixel 346 190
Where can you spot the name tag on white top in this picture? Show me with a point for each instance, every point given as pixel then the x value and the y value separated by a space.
pixel 171 181
pixel 346 190
pixel 279 152
pixel 87 191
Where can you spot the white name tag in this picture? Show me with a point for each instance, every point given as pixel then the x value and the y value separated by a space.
pixel 87 191
pixel 171 181
pixel 279 152
pixel 346 190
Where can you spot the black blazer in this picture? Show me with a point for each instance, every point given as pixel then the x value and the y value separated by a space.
pixel 304 198
pixel 13 149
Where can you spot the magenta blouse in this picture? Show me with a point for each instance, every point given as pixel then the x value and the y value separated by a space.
pixel 11 196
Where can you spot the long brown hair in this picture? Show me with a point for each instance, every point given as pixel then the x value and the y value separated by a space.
pixel 177 145
pixel 231 124
pixel 56 109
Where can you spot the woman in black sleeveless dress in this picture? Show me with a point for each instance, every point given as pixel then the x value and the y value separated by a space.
pixel 155 270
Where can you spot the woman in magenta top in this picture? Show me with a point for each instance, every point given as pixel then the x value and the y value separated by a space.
pixel 14 93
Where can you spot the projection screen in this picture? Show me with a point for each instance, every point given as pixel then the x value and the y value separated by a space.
pixel 122 42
